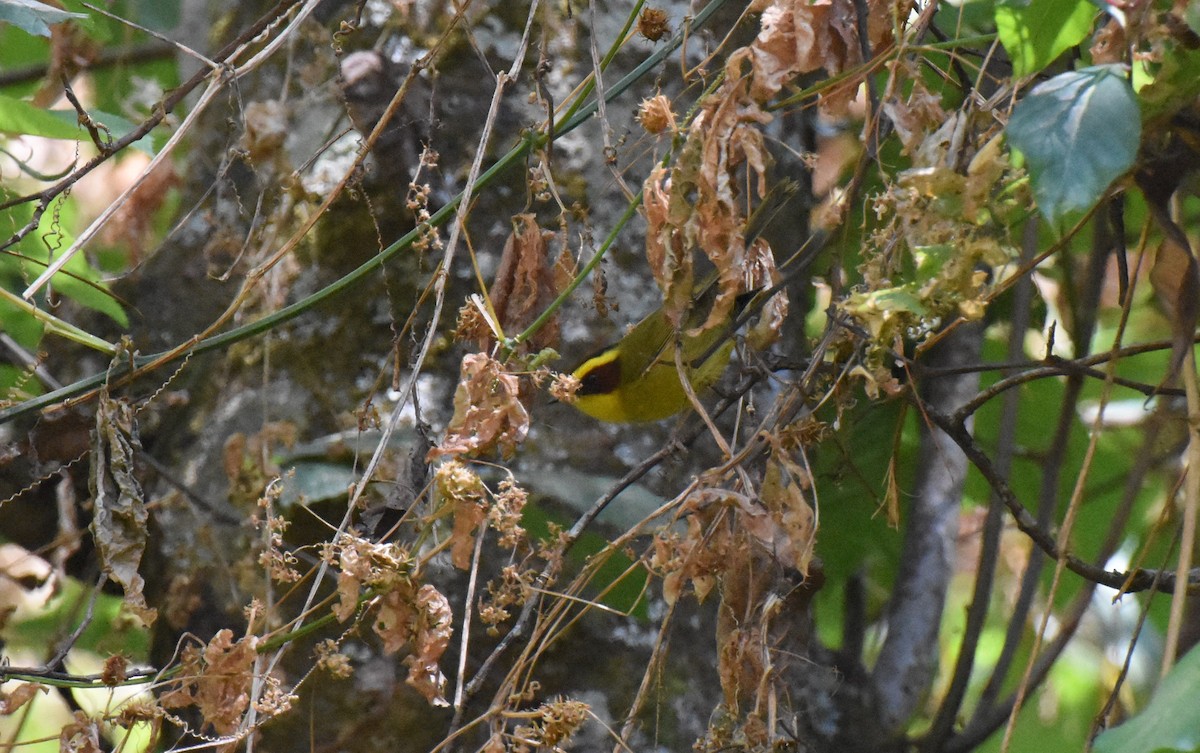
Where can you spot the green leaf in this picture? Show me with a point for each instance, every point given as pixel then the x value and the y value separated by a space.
pixel 19 117
pixel 897 299
pixel 46 244
pixel 32 16
pixel 1079 132
pixel 1169 722
pixel 1169 85
pixel 1035 32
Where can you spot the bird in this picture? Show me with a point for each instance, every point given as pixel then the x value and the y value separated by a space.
pixel 636 380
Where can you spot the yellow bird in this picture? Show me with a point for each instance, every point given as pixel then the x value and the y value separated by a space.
pixel 636 380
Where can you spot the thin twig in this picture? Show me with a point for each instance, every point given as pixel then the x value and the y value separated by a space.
pixel 468 611
pixel 65 647
pixel 1187 535
pixel 151 32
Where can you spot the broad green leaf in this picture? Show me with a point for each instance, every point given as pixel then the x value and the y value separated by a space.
pixel 1035 32
pixel 932 259
pixel 32 16
pixel 1079 132
pixel 95 298
pixel 45 245
pixel 1169 722
pixel 896 299
pixel 20 117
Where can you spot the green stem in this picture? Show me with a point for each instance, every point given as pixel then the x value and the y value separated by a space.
pixel 630 211
pixel 590 86
pixel 57 326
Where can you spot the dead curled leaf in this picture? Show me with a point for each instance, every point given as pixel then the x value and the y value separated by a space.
pixel 461 492
pixel 405 612
pixel 802 36
pixel 785 525
pixel 425 619
pixel 469 515
pixel 702 554
pixel 394 620
pixel 119 523
pixel 746 641
pixel 384 567
pixel 216 680
pixel 527 280
pixel 10 702
pixel 488 414
pixel 697 204
pixel 82 735
pixel 434 627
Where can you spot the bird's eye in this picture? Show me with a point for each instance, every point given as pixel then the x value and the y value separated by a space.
pixel 601 379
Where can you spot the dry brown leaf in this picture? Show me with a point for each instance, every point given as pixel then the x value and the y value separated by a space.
pixel 802 36
pixel 916 116
pixel 462 493
pixel 788 529
pixel 761 273
pixel 434 627
pixel 354 571
pixel 384 567
pixel 11 701
pixel 701 555
pixel 119 524
pixel 394 620
pixel 527 281
pixel 488 415
pixel 742 655
pixel 664 244
pixel 216 680
pixel 468 516
pixel 80 736
pixel 1176 278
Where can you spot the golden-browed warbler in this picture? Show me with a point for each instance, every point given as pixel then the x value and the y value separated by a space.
pixel 636 378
